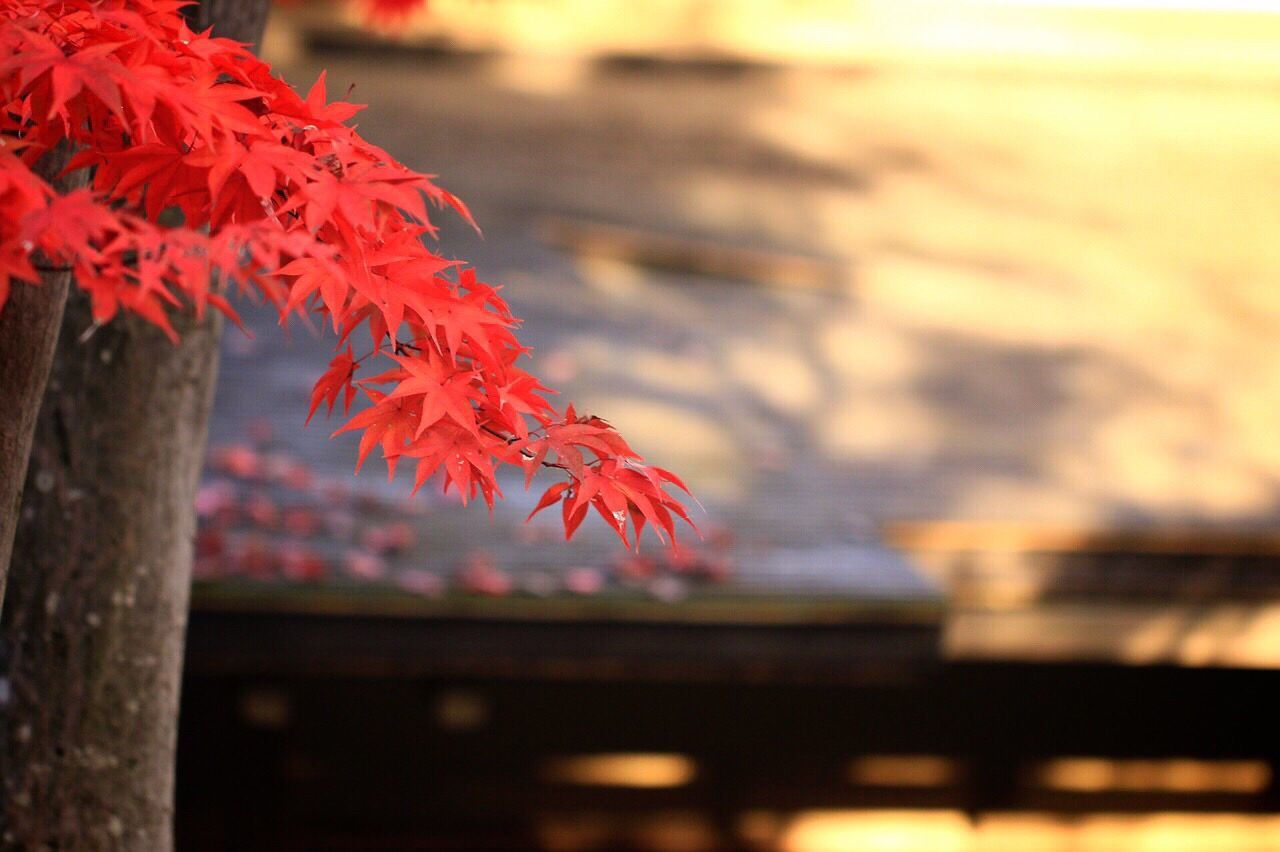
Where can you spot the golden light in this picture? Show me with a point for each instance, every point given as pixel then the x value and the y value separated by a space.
pixel 621 770
pixel 945 831
pixel 876 831
pixel 1160 5
pixel 1179 775
pixel 1156 832
pixel 903 770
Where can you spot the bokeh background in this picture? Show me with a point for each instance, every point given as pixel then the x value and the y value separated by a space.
pixel 960 319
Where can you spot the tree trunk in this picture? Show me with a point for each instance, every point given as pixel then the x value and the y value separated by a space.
pixel 96 614
pixel 239 20
pixel 29 324
pixel 97 607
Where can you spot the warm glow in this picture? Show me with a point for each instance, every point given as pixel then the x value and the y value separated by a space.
pixel 622 770
pixel 877 831
pixel 944 831
pixel 1163 5
pixel 1197 36
pixel 1181 775
pixel 903 770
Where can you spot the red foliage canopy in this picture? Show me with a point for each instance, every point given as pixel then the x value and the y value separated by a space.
pixel 277 195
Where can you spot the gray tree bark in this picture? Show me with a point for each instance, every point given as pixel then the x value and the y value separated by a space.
pixel 97 607
pixel 95 619
pixel 29 326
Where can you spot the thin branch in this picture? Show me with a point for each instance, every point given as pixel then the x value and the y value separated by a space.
pixel 526 454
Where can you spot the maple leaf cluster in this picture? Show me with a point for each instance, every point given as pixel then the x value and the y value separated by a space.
pixel 210 174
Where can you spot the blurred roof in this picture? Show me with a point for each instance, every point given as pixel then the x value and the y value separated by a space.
pixel 1231 38
pixel 835 299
